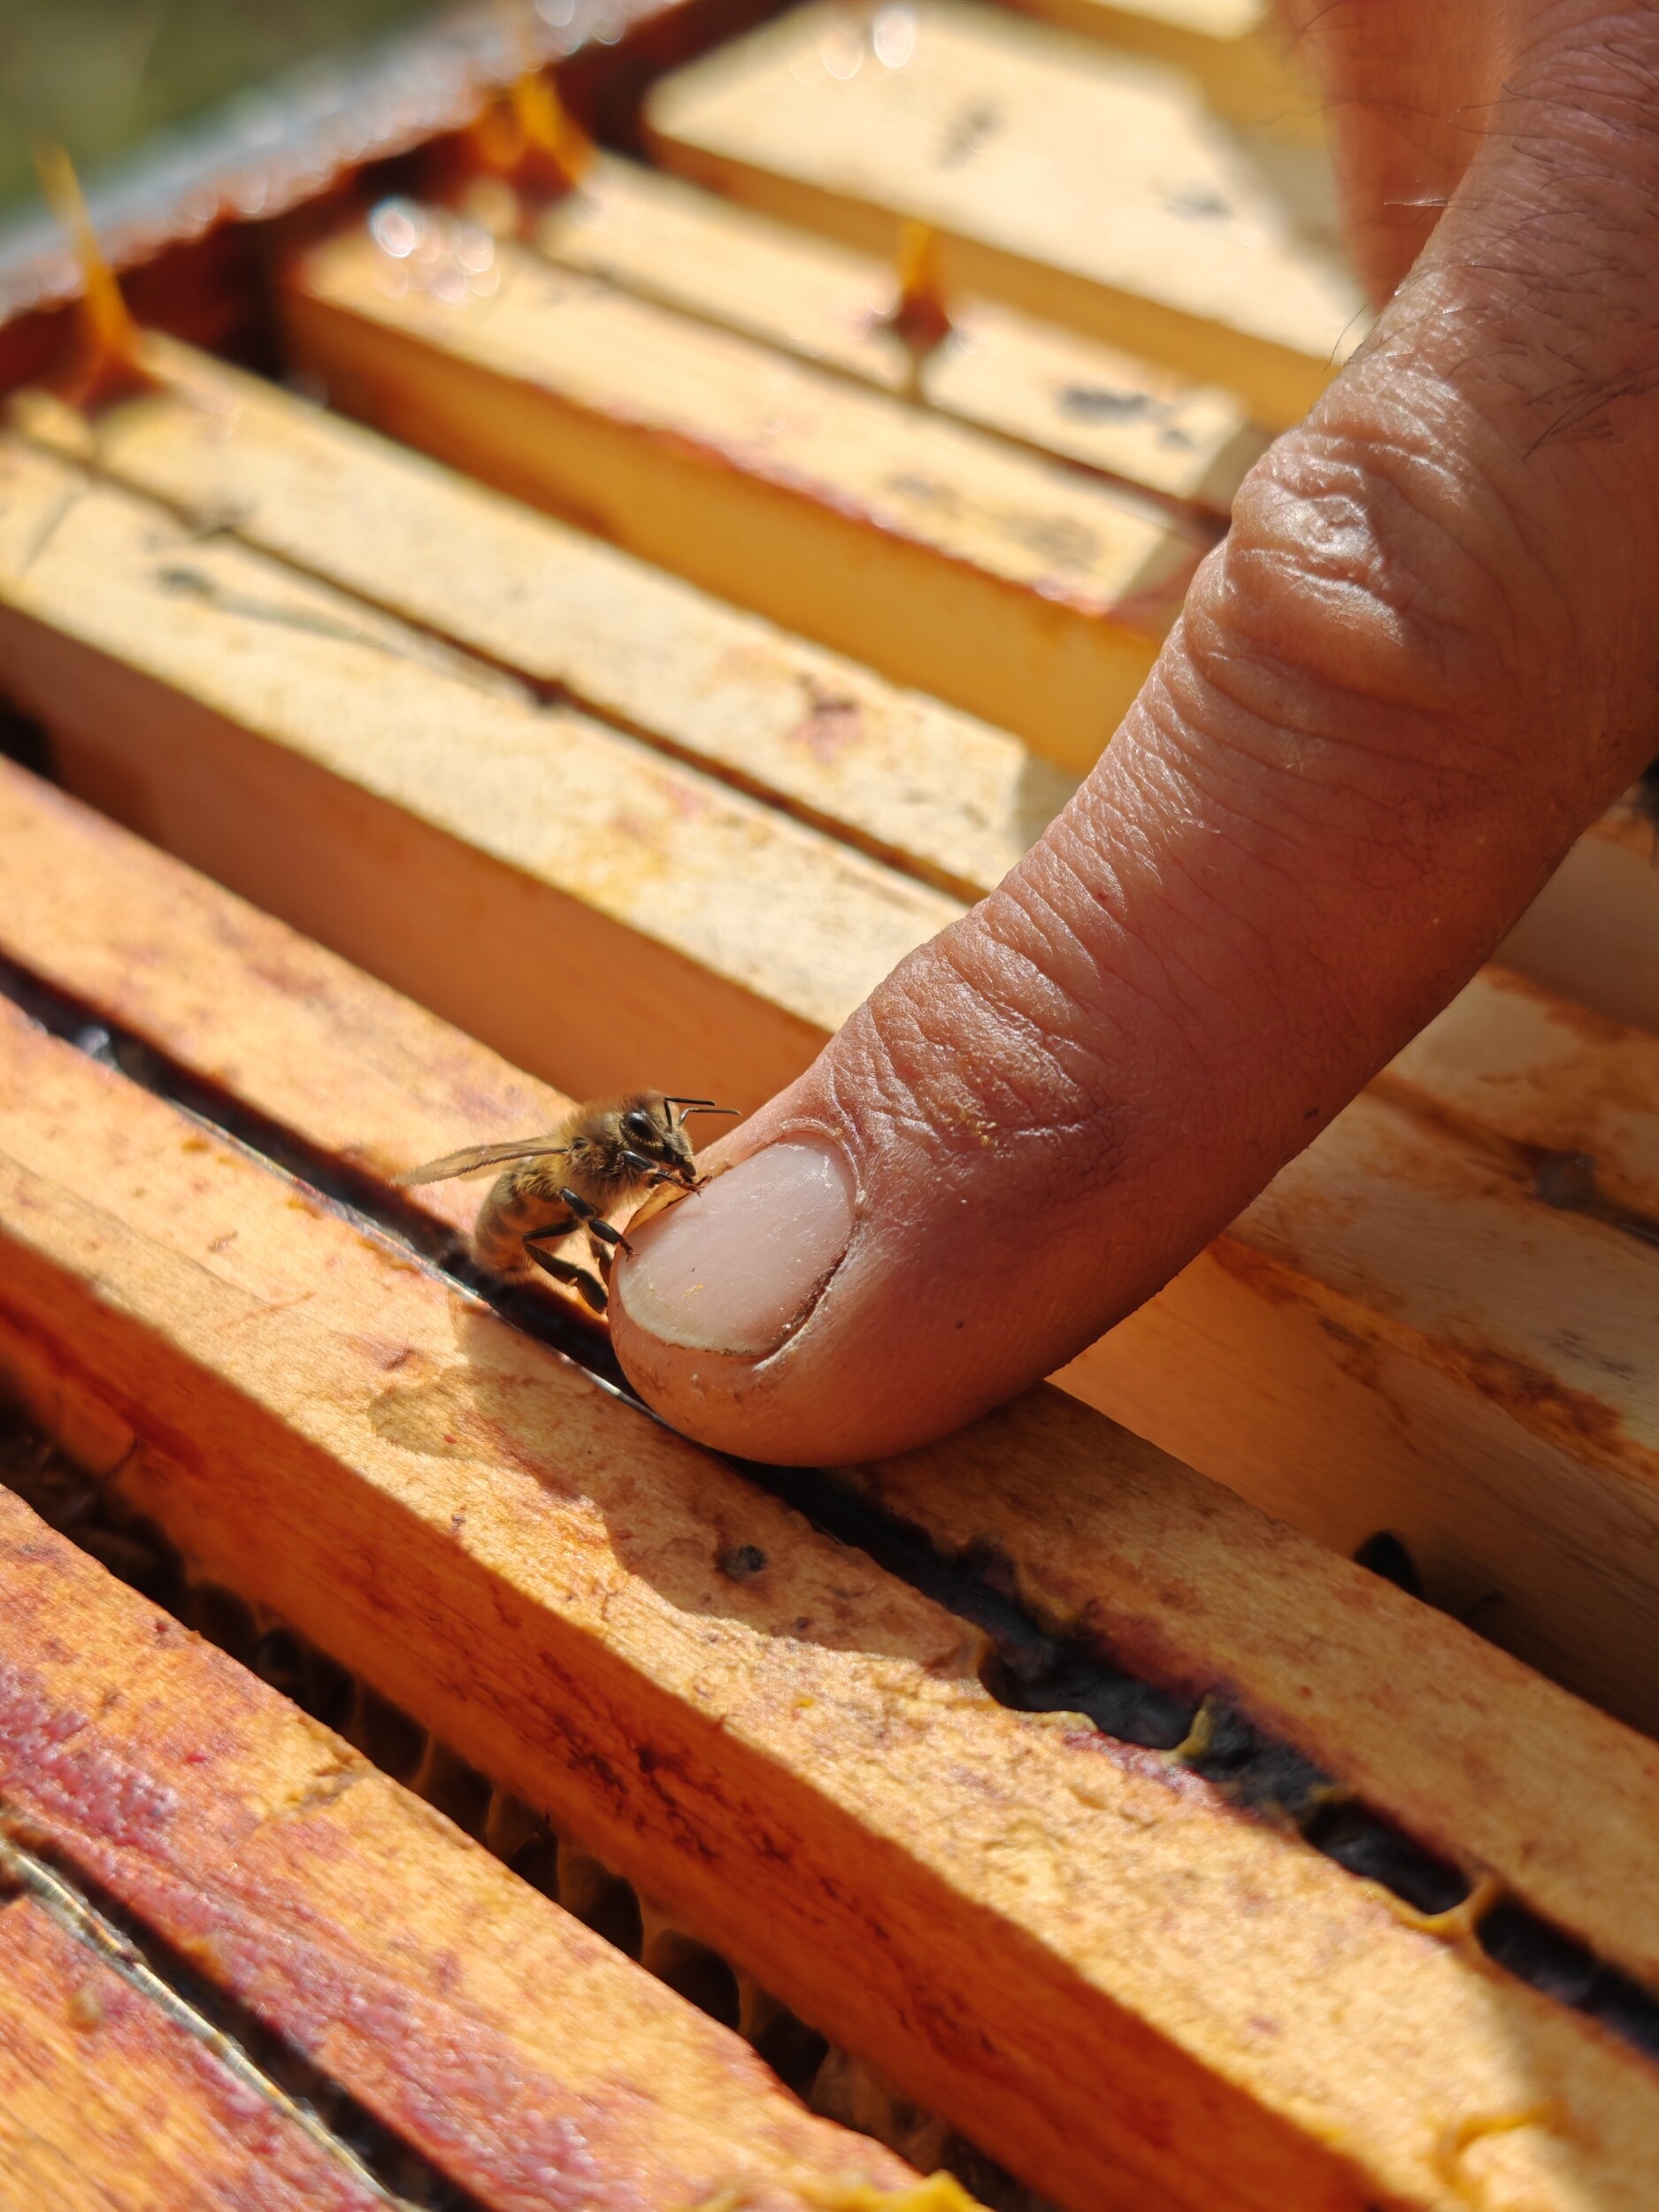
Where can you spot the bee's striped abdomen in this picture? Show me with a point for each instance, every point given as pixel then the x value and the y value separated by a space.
pixel 521 1202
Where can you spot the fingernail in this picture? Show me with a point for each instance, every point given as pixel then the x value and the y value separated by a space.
pixel 737 1266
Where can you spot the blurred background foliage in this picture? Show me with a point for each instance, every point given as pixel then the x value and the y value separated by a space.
pixel 101 75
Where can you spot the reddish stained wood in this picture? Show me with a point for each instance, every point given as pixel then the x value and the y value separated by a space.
pixel 108 2105
pixel 531 2062
pixel 294 1031
pixel 1046 1939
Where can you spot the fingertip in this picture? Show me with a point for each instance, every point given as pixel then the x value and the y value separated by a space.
pixel 700 1394
pixel 738 1265
pixel 717 1287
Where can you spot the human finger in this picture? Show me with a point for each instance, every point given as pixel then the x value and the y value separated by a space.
pixel 1423 660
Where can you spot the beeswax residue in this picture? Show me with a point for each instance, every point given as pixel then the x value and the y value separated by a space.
pixel 940 2193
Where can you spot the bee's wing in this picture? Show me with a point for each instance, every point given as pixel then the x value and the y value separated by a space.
pixel 481 1156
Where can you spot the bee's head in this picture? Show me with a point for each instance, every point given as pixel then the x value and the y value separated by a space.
pixel 655 1127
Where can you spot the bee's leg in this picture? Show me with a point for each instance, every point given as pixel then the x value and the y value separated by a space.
pixel 591 1289
pixel 650 1170
pixel 598 1231
pixel 604 1251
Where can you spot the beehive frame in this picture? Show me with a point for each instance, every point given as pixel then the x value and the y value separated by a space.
pixel 950 1736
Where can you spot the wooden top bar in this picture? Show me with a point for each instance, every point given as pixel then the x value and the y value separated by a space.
pixel 1015 587
pixel 417 1087
pixel 750 936
pixel 1470 1282
pixel 628 834
pixel 918 784
pixel 1108 1537
pixel 802 1762
pixel 1084 186
pixel 1234 48
pixel 1339 1245
pixel 1510 1060
pixel 1029 380
pixel 106 2102
pixel 1481 1399
pixel 1592 932
pixel 522 2054
pixel 1383 1341
pixel 610 355
pixel 1104 1536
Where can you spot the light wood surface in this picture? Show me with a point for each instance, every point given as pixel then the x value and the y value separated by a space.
pixel 1306 1404
pixel 803 1763
pixel 1592 932
pixel 1344 1385
pixel 106 2105
pixel 1511 1062
pixel 935 792
pixel 1029 380
pixel 160 951
pixel 1104 1537
pixel 524 2055
pixel 1008 584
pixel 1519 1459
pixel 590 906
pixel 1090 188
pixel 1473 1754
pixel 1235 48
pixel 1137 1997
pixel 1404 1332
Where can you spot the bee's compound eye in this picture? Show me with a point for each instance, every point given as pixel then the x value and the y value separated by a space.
pixel 641 1127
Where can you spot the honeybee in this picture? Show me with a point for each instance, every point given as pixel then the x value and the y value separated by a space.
pixel 601 1156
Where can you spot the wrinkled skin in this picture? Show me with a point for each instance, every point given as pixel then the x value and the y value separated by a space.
pixel 1426 656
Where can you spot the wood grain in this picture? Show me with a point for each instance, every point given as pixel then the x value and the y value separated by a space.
pixel 914 783
pixel 1006 372
pixel 591 907
pixel 268 1851
pixel 562 1505
pixel 929 790
pixel 804 1763
pixel 167 956
pixel 1592 932
pixel 1380 1335
pixel 1090 189
pixel 1181 1580
pixel 107 2105
pixel 1402 1332
pixel 1510 1062
pixel 1234 48
pixel 1334 1391
pixel 1008 584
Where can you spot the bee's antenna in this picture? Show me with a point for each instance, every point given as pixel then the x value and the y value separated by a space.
pixel 689 1106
